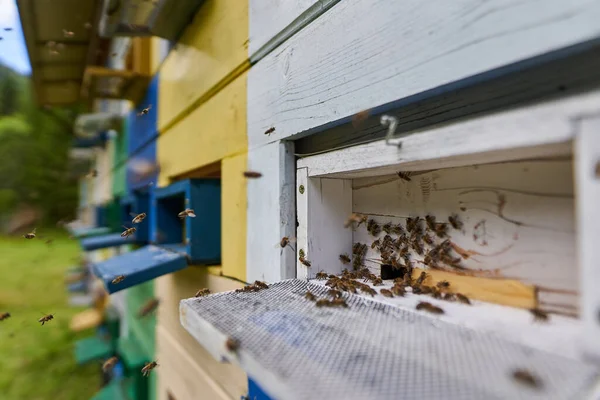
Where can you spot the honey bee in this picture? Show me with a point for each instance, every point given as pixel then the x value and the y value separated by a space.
pixel 202 292
pixel 417 247
pixel 8 29
pixel 407 280
pixel 441 230
pixel 109 364
pixel 425 306
pixel 30 235
pixel 252 174
pixel 443 284
pixel 368 290
pixel 436 293
pixel 360 117
pixel 118 279
pixel 462 298
pixel 345 259
pixel 373 227
pixel 127 232
pixel 526 378
pixel 321 275
pixel 310 296
pixel 4 315
pixel 334 293
pixel 455 222
pixel 138 218
pixel 376 244
pixel 386 293
pixel 424 289
pixel 92 174
pixel 304 261
pixel 539 315
pixel 261 285
pixel 188 212
pixel 145 110
pixel 421 278
pixel 404 175
pixel 68 34
pixel 46 318
pixel 148 308
pixel 387 228
pixel 398 290
pixel 449 297
pixel 427 239
pixel 377 281
pixel 149 367
pixel 413 224
pixel 270 130
pixel 355 218
pixel 430 221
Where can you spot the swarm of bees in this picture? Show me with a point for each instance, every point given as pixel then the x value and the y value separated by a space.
pixel 128 232
pixel 149 367
pixel 255 287
pixel 202 292
pixel 46 318
pixel 188 212
pixel 148 308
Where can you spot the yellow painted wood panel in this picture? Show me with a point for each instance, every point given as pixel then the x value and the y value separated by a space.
pixel 213 47
pixel 172 288
pixel 233 216
pixel 213 131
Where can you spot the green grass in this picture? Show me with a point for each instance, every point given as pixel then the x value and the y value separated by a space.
pixel 37 362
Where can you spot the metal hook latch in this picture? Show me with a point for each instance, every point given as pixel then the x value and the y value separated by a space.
pixel 391 123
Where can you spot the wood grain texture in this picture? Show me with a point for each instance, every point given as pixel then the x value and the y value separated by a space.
pixel 170 289
pixel 518 221
pixel 213 131
pixel 233 216
pixel 212 47
pixel 587 181
pixel 271 213
pixel 539 130
pixel 362 53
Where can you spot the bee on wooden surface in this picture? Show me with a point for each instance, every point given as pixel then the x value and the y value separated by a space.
pixel 188 212
pixel 138 218
pixel 148 308
pixel 421 278
pixel 248 288
pixel 321 275
pixel 323 303
pixel 118 279
pixel 398 290
pixel 334 293
pixel 232 344
pixel 355 218
pixel 109 364
pixel 424 289
pixel 449 297
pixel 386 293
pixel 430 221
pixel 435 292
pixel 404 175
pixel 407 280
pixel 128 232
pixel 270 130
pixel 373 227
pixel 345 259
pixel 366 289
pixel 261 285
pixel 145 110
pixel 4 315
pixel 377 281
pixel 428 239
pixel 339 302
pixel 526 378
pixel 46 318
pixel 387 228
pixel 376 244
pixel 68 34
pixel 425 306
pixel 413 224
pixel 417 247
pixel 397 229
pixel 149 367
pixel 252 174
pixel 304 261
pixel 30 235
pixel 202 292
pixel 455 222
pixel 539 315
pixel 92 174
pixel 443 284
pixel 462 298
pixel 310 296
pixel 441 230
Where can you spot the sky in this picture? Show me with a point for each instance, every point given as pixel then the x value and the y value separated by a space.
pixel 13 52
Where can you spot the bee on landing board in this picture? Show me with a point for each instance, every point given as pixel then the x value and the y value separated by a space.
pixel 138 218
pixel 310 296
pixel 4 315
pixel 145 110
pixel 462 298
pixel 202 292
pixel 30 235
pixel 188 212
pixel 46 318
pixel 321 275
pixel 386 292
pixel 232 344
pixel 305 262
pixel 539 315
pixel 526 378
pixel 109 364
pixel 425 306
pixel 455 222
pixel 118 279
pixel 149 367
pixel 128 232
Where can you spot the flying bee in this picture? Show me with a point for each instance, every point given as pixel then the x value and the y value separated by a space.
pixel 30 235
pixel 138 218
pixel 345 259
pixel 310 296
pixel 407 280
pixel 285 241
pixel 270 130
pixel 128 232
pixel 68 34
pixel 109 364
pixel 188 212
pixel 462 298
pixel 252 174
pixel 145 110
pixel 8 29
pixel 386 293
pixel 202 292
pixel 526 378
pixel 539 315
pixel 92 174
pixel 149 367
pixel 355 218
pixel 430 221
pixel 404 175
pixel 304 261
pixel 321 275
pixel 425 306
pixel 455 222
pixel 46 318
pixel 4 315
pixel 118 279
pixel 147 308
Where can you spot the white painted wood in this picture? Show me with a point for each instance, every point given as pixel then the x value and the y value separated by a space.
pixel 365 53
pixel 587 176
pixel 271 213
pixel 323 209
pixel 518 219
pixel 540 130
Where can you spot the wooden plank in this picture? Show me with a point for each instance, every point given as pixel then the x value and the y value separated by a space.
pixel 212 47
pixel 371 53
pixel 233 216
pixel 322 210
pixel 271 213
pixel 540 130
pixel 587 178
pixel 518 222
pixel 170 289
pixel 177 149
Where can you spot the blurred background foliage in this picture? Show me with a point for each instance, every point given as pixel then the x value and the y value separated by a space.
pixel 35 170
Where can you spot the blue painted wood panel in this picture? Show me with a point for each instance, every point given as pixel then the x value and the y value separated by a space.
pixel 100 216
pixel 201 235
pixel 138 266
pixel 255 392
pixel 104 241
